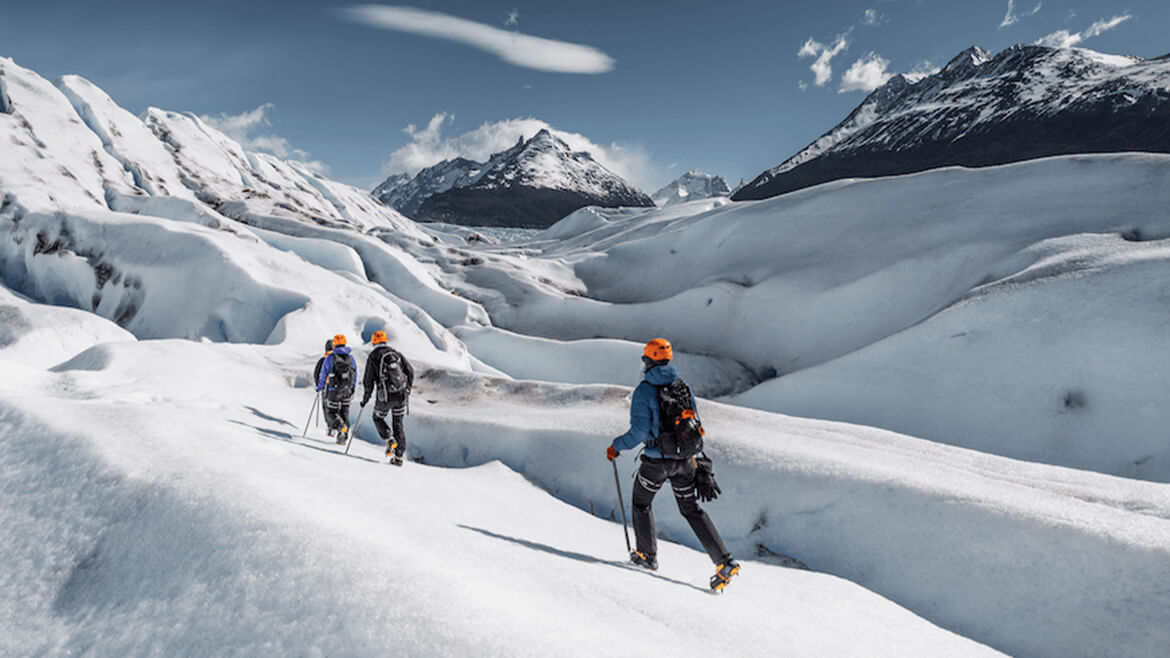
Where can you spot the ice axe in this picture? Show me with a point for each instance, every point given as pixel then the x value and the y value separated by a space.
pixel 621 505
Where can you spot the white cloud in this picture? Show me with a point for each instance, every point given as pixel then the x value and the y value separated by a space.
pixel 1011 17
pixel 1065 39
pixel 922 70
pixel 512 47
pixel 513 18
pixel 241 126
pixel 866 74
pixel 428 146
pixel 802 85
pixel 871 17
pixel 822 68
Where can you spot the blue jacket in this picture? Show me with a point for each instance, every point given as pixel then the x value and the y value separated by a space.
pixel 327 367
pixel 644 420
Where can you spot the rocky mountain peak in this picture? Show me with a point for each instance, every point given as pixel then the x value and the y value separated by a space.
pixel 967 60
pixel 534 183
pixel 1027 101
pixel 691 186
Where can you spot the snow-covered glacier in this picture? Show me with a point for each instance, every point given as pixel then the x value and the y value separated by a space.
pixel 164 294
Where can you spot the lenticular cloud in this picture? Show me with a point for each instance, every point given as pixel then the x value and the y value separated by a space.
pixel 519 49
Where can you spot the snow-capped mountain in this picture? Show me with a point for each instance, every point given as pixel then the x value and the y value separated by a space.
pixel 1026 102
pixel 533 184
pixel 691 186
pixel 406 194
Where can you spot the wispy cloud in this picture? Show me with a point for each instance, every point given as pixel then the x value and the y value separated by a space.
pixel 429 146
pixel 1011 17
pixel 872 71
pixel 922 70
pixel 871 17
pixel 866 74
pixel 513 18
pixel 512 47
pixel 822 67
pixel 241 126
pixel 1066 39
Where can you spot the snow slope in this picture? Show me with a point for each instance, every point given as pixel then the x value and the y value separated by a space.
pixel 1031 559
pixel 968 272
pixel 161 512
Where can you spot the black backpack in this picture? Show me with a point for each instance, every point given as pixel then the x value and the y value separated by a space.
pixel 391 373
pixel 341 380
pixel 680 433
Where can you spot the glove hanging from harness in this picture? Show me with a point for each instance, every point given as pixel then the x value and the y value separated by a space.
pixel 706 487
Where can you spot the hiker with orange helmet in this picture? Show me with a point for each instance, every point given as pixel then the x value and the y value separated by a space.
pixel 660 390
pixel 391 376
pixel 336 384
pixel 317 370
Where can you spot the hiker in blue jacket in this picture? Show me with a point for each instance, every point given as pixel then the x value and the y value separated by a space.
pixel 656 468
pixel 336 385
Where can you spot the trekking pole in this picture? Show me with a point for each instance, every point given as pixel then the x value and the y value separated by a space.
pixel 355 429
pixel 621 505
pixel 317 423
pixel 310 418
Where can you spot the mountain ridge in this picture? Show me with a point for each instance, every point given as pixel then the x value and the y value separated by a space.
pixel 532 184
pixel 1025 102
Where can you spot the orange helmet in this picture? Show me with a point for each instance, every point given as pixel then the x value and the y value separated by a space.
pixel 658 349
pixel 378 337
pixel 339 340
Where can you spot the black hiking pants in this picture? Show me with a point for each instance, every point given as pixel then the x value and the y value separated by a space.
pixel 681 473
pixel 396 408
pixel 337 414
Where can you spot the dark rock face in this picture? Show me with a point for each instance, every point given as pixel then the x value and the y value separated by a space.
pixel 1027 102
pixel 531 185
pixel 519 206
pixel 406 194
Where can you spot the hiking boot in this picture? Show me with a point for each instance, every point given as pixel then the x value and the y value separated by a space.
pixel 391 447
pixel 723 574
pixel 342 435
pixel 645 561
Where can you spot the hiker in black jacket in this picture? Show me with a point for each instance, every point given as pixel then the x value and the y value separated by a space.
pixel 317 371
pixel 388 371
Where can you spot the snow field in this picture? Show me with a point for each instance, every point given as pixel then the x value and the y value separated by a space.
pixel 1028 558
pixel 812 286
pixel 1088 314
pixel 598 361
pixel 159 512
pixel 35 334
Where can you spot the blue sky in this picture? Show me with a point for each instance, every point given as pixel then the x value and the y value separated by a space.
pixel 657 88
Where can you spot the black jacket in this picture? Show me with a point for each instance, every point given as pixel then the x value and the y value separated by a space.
pixel 374 366
pixel 317 370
